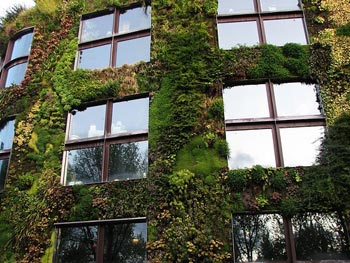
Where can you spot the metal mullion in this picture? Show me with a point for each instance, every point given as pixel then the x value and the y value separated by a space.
pixel 278 146
pixel 113 57
pixel 107 131
pixel 257 6
pixel 100 244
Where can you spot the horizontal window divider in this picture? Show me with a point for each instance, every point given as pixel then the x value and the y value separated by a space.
pixel 101 222
pixel 142 134
pixel 271 124
pixel 85 142
pixel 15 62
pixel 5 152
pixel 133 34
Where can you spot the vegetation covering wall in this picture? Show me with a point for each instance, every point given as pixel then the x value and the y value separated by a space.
pixel 189 194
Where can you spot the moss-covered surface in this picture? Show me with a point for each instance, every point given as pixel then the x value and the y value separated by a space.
pixel 189 194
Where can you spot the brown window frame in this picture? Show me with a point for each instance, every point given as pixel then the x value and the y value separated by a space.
pixel 114 38
pixel 104 140
pixel 260 16
pixel 100 224
pixel 8 63
pixel 274 122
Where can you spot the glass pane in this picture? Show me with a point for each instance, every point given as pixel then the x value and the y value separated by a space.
pixel 77 245
pixel 301 145
pixel 95 57
pixel 84 166
pixel 295 99
pixel 275 31
pixel 279 5
pixel 128 161
pixel 3 172
pixel 88 123
pixel 130 116
pixel 15 74
pixel 7 131
pixel 135 19
pixel 236 6
pixel 259 238
pixel 22 46
pixel 249 101
pixel 133 51
pixel 250 147
pixel 238 33
pixel 320 237
pixel 95 28
pixel 125 243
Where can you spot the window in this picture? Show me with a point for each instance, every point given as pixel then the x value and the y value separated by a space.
pixel 107 241
pixel 273 124
pixel 114 38
pixel 16 59
pixel 7 131
pixel 309 237
pixel 107 142
pixel 260 21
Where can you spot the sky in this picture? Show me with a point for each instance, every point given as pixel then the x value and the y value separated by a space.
pixel 6 4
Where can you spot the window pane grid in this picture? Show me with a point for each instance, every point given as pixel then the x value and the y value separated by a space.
pixel 258 135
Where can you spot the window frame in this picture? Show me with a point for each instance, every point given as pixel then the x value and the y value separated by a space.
pixel 115 37
pixel 5 154
pixel 9 63
pixel 100 232
pixel 104 140
pixel 260 16
pixel 275 122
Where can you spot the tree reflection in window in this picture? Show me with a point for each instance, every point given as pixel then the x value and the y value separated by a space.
pixel 259 238
pixel 321 237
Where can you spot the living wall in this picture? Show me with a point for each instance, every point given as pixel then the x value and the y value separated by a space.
pixel 189 194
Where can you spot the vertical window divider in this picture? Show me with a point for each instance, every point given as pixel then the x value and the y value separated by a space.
pixel 100 244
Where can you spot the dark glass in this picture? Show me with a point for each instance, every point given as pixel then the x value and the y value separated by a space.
pixel 96 28
pixel 7 131
pixel 22 45
pixel 135 19
pixel 275 31
pixel 250 147
pixel 125 243
pixel 128 161
pixel 259 238
pixel 15 74
pixel 248 101
pixel 321 237
pixel 130 116
pixel 3 172
pixel 84 166
pixel 77 245
pixel 235 7
pixel 88 123
pixel 300 146
pixel 238 34
pixel 95 57
pixel 279 5
pixel 133 51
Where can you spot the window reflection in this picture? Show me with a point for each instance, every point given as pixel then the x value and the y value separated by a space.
pixel 88 123
pixel 128 161
pixel 21 46
pixel 95 57
pixel 77 245
pixel 97 27
pixel 250 147
pixel 15 74
pixel 125 243
pixel 296 99
pixel 259 238
pixel 235 6
pixel 249 101
pixel 3 172
pixel 130 116
pixel 300 145
pixel 320 237
pixel 84 166
pixel 134 20
pixel 278 5
pixel 133 51
pixel 275 31
pixel 7 132
pixel 238 33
